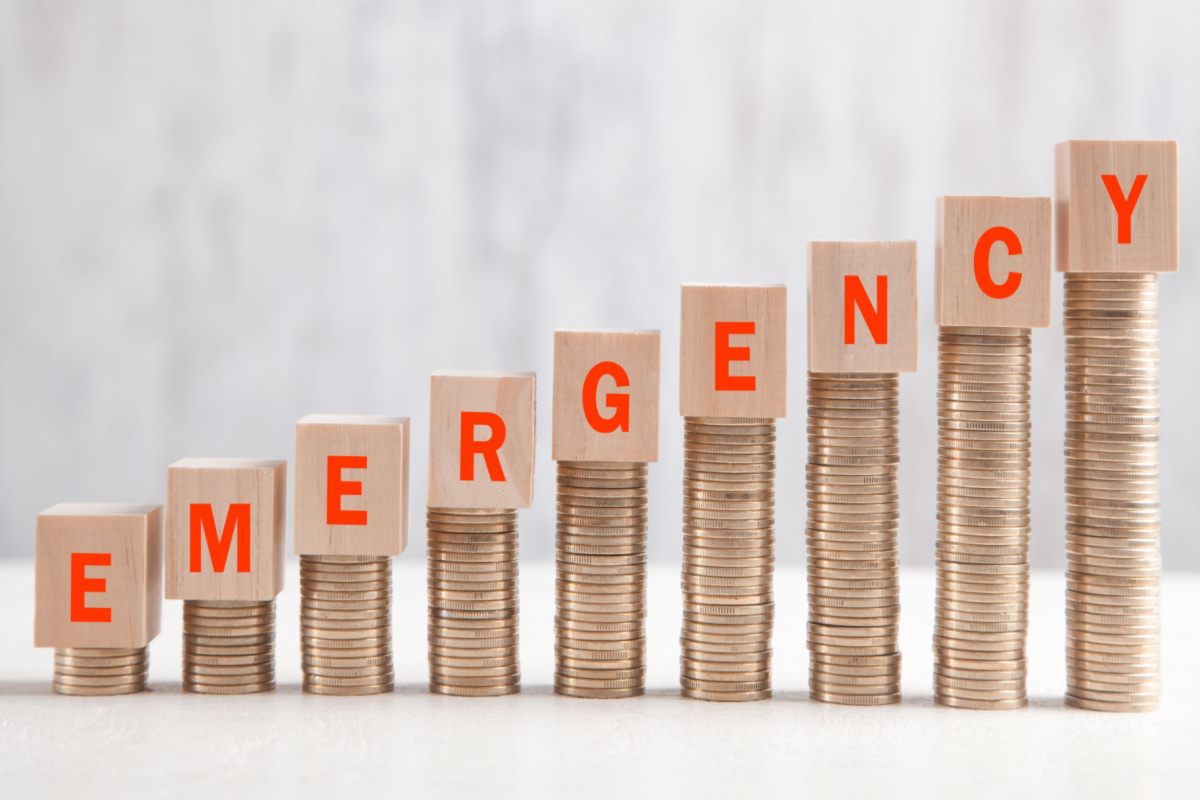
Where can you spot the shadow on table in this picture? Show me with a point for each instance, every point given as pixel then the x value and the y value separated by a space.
pixel 24 688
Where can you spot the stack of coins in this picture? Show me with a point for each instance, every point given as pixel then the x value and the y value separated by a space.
pixel 1113 520
pixel 473 602
pixel 983 518
pixel 100 670
pixel 228 646
pixel 346 624
pixel 600 629
pixel 728 558
pixel 853 517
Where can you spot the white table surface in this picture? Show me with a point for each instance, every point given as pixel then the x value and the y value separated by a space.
pixel 413 744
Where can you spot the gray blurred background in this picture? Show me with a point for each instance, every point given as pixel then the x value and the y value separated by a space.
pixel 216 217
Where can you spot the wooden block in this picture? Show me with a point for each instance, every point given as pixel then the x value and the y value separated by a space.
pixel 993 262
pixel 862 306
pixel 605 395
pixel 733 351
pixel 1117 206
pixel 481 439
pixel 351 485
pixel 98 575
pixel 226 526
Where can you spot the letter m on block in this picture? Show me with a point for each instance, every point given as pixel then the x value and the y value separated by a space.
pixel 237 526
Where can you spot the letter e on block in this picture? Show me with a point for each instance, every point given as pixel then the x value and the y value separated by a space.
pixel 98 575
pixel 481 439
pixel 351 485
pixel 992 259
pixel 226 526
pixel 862 306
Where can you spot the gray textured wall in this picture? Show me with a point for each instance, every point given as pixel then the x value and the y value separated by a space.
pixel 216 217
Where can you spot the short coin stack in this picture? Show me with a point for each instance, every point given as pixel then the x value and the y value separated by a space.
pixel 600 627
pixel 983 517
pixel 853 516
pixel 100 670
pixel 728 558
pixel 473 602
pixel 228 646
pixel 1113 518
pixel 345 624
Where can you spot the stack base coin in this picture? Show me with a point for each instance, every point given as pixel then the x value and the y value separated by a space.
pixel 346 624
pixel 97 671
pixel 228 646
pixel 728 558
pixel 473 602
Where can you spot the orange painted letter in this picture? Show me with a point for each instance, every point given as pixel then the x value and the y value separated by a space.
pixel 81 585
pixel 489 448
pixel 1124 205
pixel 983 253
pixel 724 381
pixel 617 402
pixel 875 317
pixel 338 488
pixel 237 525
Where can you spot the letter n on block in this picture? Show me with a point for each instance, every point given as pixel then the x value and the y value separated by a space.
pixel 98 575
pixel 862 306
pixel 992 259
pixel 226 526
pixel 481 439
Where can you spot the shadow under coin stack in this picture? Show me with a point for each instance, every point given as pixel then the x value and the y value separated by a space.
pixel 853 516
pixel 345 624
pixel 600 627
pixel 1113 516
pixel 473 602
pixel 728 558
pixel 983 517
pixel 97 671
pixel 228 646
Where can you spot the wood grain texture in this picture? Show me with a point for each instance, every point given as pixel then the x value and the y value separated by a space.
pixel 829 265
pixel 223 482
pixel 581 352
pixel 705 305
pixel 131 536
pixel 960 224
pixel 509 395
pixel 378 490
pixel 1087 221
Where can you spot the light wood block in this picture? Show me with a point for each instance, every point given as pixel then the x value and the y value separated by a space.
pixel 226 526
pixel 862 306
pixel 733 351
pixel 492 466
pixel 605 395
pixel 993 262
pixel 351 485
pixel 1117 206
pixel 98 575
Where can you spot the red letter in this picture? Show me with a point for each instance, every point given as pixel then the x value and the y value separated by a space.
pixel 724 381
pixel 1124 205
pixel 983 253
pixel 618 402
pixel 468 447
pixel 237 524
pixel 876 318
pixel 337 488
pixel 81 585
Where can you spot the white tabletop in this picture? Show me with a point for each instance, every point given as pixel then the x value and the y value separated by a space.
pixel 413 744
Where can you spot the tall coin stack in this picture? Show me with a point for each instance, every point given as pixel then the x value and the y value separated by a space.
pixel 853 517
pixel 345 624
pixel 728 558
pixel 99 671
pixel 473 602
pixel 228 646
pixel 1113 517
pixel 983 517
pixel 600 627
